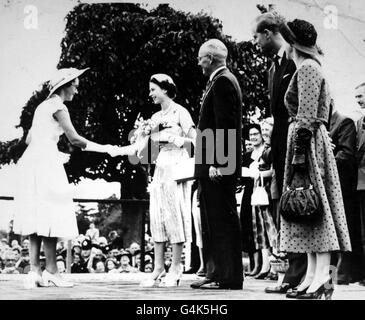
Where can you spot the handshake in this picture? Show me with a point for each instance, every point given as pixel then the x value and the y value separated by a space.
pixel 114 151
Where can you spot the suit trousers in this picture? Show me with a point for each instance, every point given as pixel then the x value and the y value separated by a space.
pixel 297 268
pixel 221 230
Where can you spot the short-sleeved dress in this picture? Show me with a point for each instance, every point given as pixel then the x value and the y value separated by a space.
pixel 43 197
pixel 170 202
pixel 308 102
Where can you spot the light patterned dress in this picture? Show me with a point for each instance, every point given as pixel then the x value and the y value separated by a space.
pixel 170 202
pixel 43 197
pixel 307 100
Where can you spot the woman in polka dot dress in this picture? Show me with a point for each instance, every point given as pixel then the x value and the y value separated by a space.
pixel 307 100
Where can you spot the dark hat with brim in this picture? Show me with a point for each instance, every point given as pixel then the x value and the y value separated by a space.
pixel 302 36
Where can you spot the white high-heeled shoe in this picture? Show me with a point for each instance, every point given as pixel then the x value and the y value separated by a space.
pixel 171 280
pixel 151 283
pixel 55 280
pixel 33 280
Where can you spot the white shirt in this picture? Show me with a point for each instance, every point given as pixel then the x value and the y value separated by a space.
pixel 280 53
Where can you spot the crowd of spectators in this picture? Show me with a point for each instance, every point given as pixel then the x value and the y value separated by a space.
pixel 90 253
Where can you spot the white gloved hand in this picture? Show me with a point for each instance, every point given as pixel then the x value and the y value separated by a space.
pixel 113 151
pixel 177 141
pixel 65 157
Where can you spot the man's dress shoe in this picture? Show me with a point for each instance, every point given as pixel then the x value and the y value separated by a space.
pixel 221 286
pixel 199 283
pixel 283 288
pixel 189 271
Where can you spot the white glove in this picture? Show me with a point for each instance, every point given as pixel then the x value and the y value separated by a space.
pixel 95 147
pixel 177 141
pixel 113 151
pixel 65 157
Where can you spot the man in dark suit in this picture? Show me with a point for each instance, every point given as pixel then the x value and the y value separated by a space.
pixel 360 158
pixel 266 35
pixel 219 134
pixel 350 265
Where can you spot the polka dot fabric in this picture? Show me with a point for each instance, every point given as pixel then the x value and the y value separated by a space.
pixel 307 99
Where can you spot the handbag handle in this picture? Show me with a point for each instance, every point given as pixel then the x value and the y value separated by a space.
pixel 294 170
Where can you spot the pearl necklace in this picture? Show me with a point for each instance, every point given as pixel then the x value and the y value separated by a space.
pixel 166 111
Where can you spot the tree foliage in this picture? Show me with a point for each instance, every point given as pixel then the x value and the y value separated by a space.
pixel 124 45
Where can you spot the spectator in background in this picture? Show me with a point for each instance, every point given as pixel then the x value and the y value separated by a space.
pixel 9 263
pixel 167 259
pixel 96 256
pixel 99 267
pixel 360 95
pixel 23 264
pixel 14 243
pixel 360 159
pixel 85 253
pixel 61 264
pixel 111 265
pixel 114 253
pixel 350 265
pixel 25 244
pixel 125 266
pixel 16 252
pixel 265 232
pixel 42 261
pixel 77 266
pixel 136 259
pixel 115 241
pixel 250 173
pixel 134 247
pixel 61 250
pixel 4 242
pixel 248 146
pixel 93 233
pixel 148 268
pixel 76 248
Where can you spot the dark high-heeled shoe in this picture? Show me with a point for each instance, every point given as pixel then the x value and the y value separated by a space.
pixel 294 293
pixel 262 275
pixel 325 289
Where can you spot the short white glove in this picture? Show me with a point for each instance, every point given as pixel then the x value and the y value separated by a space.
pixel 113 151
pixel 177 141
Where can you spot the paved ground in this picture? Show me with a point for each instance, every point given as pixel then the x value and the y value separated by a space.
pixel 125 287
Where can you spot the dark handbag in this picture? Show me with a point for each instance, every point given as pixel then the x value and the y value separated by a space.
pixel 300 204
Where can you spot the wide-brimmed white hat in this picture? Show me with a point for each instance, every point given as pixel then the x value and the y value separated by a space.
pixel 64 76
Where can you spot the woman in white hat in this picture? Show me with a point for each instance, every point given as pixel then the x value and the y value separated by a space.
pixel 44 207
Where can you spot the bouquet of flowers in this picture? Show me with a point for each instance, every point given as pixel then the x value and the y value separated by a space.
pixel 143 128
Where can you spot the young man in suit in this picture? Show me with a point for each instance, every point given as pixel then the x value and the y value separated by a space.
pixel 360 158
pixel 220 121
pixel 266 35
pixel 350 265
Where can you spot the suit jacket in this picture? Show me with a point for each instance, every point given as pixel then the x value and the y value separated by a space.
pixel 278 84
pixel 360 154
pixel 343 134
pixel 221 108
